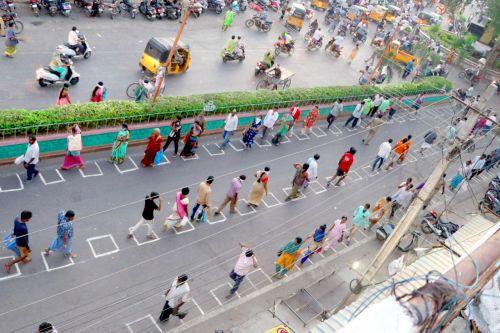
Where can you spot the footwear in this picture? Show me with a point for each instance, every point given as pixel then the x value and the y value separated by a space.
pixel 7 268
pixel 36 174
pixel 328 184
pixel 47 252
pixel 151 237
pixel 229 296
pixel 130 236
pixel 347 242
pixel 216 213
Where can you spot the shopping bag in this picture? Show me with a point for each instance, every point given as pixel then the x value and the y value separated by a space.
pixel 19 160
pixel 158 157
pixel 184 221
pixel 10 242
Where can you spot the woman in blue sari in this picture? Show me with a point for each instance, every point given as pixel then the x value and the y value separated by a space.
pixel 64 238
pixel 251 132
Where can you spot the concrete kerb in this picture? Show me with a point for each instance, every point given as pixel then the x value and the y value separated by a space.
pixel 153 125
pixel 245 307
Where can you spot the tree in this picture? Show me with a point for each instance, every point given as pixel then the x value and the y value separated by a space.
pixel 454 7
pixel 493 12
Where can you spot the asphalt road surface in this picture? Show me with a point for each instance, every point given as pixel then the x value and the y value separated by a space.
pixel 118 44
pixel 115 284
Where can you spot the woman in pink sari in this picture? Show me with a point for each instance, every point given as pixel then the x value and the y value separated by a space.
pixel 179 216
pixel 335 234
pixel 72 158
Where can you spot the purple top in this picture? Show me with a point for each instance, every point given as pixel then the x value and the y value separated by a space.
pixel 234 188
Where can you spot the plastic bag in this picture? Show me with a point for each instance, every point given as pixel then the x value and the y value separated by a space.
pixel 10 242
pixel 19 160
pixel 158 158
pixel 396 265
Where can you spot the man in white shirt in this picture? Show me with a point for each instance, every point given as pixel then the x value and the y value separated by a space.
pixel 477 165
pixel 74 40
pixel 402 198
pixel 488 124
pixel 384 150
pixel 31 158
pixel 231 124
pixel 356 114
pixel 244 265
pixel 177 296
pixel 312 171
pixel 318 34
pixel 269 121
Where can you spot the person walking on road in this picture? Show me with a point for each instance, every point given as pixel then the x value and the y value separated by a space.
pixel 246 261
pixel 299 179
pixel 344 166
pixel 20 241
pixel 462 173
pixel 429 139
pixel 98 93
pixel 64 237
pixel 148 218
pixel 46 327
pixel 11 41
pixel 335 110
pixel 313 166
pixel 477 165
pixel 316 240
pixel 284 126
pixel 386 102
pixel 204 200
pixel 381 207
pixel 259 187
pixel 176 296
pixel 190 140
pixel 377 101
pixel 401 199
pixel 251 132
pixel 31 158
pixel 311 119
pixel 119 150
pixel 230 125
pixel 287 256
pixel 73 157
pixel 399 150
pixel 152 148
pixel 269 121
pixel 232 195
pixel 295 113
pixel 174 135
pixel 384 150
pixel 335 233
pixel 359 220
pixel 63 96
pixel 373 126
pixel 356 115
pixel 179 216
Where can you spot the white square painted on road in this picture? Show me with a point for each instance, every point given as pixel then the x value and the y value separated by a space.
pixel 148 317
pixel 48 269
pixel 97 255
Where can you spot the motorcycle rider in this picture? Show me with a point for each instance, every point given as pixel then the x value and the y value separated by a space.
pixel 231 44
pixel 268 59
pixel 313 26
pixel 360 32
pixel 74 41
pixel 276 79
pixel 317 37
pixel 95 7
pixel 285 41
pixel 263 16
pixel 240 48
pixel 337 43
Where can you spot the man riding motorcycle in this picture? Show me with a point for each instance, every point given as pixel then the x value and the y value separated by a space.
pixel 231 45
pixel 285 41
pixel 268 59
pixel 317 37
pixel 74 41
pixel 313 26
pixel 337 43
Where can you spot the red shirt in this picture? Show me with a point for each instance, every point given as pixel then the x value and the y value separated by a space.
pixel 346 161
pixel 295 113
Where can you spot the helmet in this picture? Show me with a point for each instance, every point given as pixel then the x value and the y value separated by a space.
pixel 283 34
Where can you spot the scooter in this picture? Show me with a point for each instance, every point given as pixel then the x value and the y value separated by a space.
pixel 147 11
pixel 431 223
pixel 129 7
pixel 173 11
pixel 215 5
pixel 64 7
pixel 71 52
pixel 51 6
pixel 36 6
pixel 46 76
pixel 226 56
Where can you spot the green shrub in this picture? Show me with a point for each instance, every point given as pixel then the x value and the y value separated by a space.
pixel 111 113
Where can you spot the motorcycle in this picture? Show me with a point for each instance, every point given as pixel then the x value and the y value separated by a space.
pixel 173 11
pixel 490 203
pixel 314 44
pixel 406 243
pixel 64 7
pixel 280 47
pixel 359 37
pixel 260 67
pixel 71 52
pixel 470 74
pixel 226 56
pixel 128 7
pixel 333 49
pixel 160 9
pixel 215 5
pixel 94 8
pixel 147 11
pixel 243 4
pixel 432 223
pixel 36 6
pixel 274 5
pixel 9 17
pixel 51 6
pixel 46 76
pixel 342 31
pixel 196 9
pixel 114 8
pixel 259 23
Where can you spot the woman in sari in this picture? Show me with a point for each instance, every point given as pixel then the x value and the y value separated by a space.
pixel 63 97
pixel 462 173
pixel 259 187
pixel 311 119
pixel 251 132
pixel 154 146
pixel 11 41
pixel 72 158
pixel 179 216
pixel 316 243
pixel 335 234
pixel 287 257
pixel 191 140
pixel 120 146
pixel 64 238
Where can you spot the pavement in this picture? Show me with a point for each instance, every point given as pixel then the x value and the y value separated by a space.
pixel 118 44
pixel 115 284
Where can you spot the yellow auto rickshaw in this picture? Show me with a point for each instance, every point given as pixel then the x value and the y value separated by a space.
pixel 356 12
pixel 156 53
pixel 377 13
pixel 428 18
pixel 392 13
pixel 320 4
pixel 403 57
pixel 296 17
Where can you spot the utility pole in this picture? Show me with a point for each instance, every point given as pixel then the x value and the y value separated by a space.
pixel 185 15
pixel 417 204
pixel 383 55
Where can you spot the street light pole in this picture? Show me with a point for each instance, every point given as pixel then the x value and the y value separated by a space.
pixel 185 16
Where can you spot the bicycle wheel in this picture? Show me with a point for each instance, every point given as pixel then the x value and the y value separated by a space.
pixel 18 27
pixel 263 84
pixel 131 89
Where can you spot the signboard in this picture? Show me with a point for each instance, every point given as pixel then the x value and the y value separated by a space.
pixel 209 106
pixel 278 329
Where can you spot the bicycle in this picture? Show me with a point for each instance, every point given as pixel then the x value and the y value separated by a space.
pixel 130 91
pixel 409 241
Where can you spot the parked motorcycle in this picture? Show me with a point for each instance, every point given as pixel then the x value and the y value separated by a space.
pixel 470 74
pixel 215 5
pixel 259 23
pixel 146 10
pixel 490 203
pixel 9 17
pixel 36 6
pixel 196 9
pixel 71 52
pixel 406 243
pixel 243 4
pixel 274 5
pixel 94 8
pixel 432 223
pixel 173 11
pixel 46 76
pixel 226 56
pixel 50 6
pixel 128 7
pixel 64 7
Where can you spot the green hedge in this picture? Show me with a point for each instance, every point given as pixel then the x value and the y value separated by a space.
pixel 114 112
